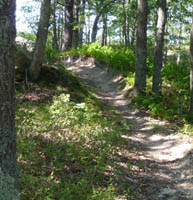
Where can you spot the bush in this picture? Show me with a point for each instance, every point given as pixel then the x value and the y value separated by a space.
pixel 122 59
pixel 51 54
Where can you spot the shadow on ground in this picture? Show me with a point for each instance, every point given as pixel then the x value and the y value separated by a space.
pixel 154 162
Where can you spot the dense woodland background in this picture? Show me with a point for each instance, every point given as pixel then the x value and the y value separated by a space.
pixel 150 38
pixel 150 43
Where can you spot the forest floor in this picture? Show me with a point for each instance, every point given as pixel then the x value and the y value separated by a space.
pixel 161 160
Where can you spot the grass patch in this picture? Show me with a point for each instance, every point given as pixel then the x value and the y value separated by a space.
pixel 66 146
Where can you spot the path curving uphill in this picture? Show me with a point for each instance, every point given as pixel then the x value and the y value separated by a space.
pixel 166 171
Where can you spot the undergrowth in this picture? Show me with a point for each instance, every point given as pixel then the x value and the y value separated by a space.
pixel 119 59
pixel 66 143
pixel 174 103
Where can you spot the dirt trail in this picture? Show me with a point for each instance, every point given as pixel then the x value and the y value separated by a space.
pixel 167 158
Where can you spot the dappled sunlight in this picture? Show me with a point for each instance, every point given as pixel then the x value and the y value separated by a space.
pixel 152 156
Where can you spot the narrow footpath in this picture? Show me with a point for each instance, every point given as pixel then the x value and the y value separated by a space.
pixel 166 157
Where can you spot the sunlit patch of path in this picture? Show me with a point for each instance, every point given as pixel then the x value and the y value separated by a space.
pixel 168 157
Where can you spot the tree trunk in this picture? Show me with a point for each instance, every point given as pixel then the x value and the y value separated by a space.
pixel 104 30
pixel 68 29
pixel 95 27
pixel 133 37
pixel 191 69
pixel 82 22
pixel 61 29
pixel 75 39
pixel 158 51
pixel 141 48
pixel 55 36
pixel 39 51
pixel 166 40
pixel 179 45
pixel 98 15
pixel 7 94
pixel 126 23
pixel 88 28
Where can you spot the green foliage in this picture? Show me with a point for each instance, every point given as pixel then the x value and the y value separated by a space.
pixel 7 187
pixel 27 36
pixel 51 54
pixel 23 60
pixel 173 105
pixel 66 148
pixel 122 59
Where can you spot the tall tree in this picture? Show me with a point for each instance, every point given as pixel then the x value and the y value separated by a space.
pixel 141 48
pixel 76 21
pixel 191 68
pixel 55 36
pixel 82 21
pixel 158 50
pixel 104 29
pixel 7 95
pixel 68 29
pixel 103 5
pixel 39 51
pixel 126 23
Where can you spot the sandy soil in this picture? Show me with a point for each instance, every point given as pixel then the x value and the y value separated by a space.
pixel 166 171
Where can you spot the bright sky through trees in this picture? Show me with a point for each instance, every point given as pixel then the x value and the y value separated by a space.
pixel 21 26
pixel 31 10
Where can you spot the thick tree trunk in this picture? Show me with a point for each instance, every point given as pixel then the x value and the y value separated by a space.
pixel 141 48
pixel 7 92
pixel 39 51
pixel 68 29
pixel 158 51
pixel 191 69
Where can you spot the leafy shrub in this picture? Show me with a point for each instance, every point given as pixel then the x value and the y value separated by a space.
pixel 51 54
pixel 27 36
pixel 122 59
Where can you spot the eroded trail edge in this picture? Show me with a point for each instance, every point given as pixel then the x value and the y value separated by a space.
pixel 166 158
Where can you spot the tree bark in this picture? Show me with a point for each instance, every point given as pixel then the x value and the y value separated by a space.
pixel 158 50
pixel 39 51
pixel 61 28
pixel 191 68
pixel 75 39
pixel 126 24
pixel 68 29
pixel 7 90
pixel 104 30
pixel 95 27
pixel 55 36
pixel 141 48
pixel 88 30
pixel 82 22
